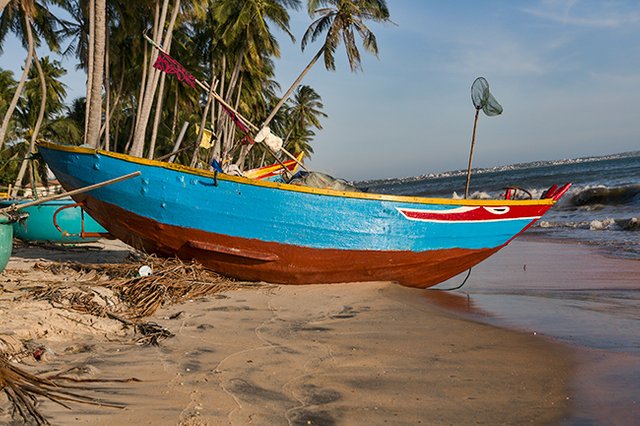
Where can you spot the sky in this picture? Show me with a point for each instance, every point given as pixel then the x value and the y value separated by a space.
pixel 567 73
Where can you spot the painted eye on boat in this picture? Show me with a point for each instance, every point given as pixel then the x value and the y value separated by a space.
pixel 497 210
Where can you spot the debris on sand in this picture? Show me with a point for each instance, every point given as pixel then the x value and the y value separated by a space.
pixel 63 298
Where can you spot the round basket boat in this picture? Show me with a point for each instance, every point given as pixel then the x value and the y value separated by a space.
pixel 73 224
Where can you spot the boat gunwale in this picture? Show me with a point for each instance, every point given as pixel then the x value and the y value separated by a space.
pixel 294 188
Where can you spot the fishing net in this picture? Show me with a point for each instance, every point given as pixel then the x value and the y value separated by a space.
pixel 323 181
pixel 483 99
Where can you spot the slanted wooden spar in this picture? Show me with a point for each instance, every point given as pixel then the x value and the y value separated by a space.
pixel 260 230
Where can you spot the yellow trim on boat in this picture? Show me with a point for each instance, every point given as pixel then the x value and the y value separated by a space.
pixel 260 172
pixel 294 188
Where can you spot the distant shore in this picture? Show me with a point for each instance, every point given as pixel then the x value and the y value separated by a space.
pixel 323 354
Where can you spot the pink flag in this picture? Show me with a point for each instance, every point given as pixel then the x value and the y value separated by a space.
pixel 247 138
pixel 166 63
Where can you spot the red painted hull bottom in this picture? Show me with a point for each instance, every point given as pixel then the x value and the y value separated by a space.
pixel 255 260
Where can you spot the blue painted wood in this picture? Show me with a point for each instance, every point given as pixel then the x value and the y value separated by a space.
pixel 270 212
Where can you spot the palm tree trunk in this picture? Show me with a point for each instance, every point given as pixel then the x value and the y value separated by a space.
pixel 203 123
pixel 36 128
pixel 111 108
pixel 137 148
pixel 146 73
pixel 156 119
pixel 158 113
pixel 246 149
pixel 220 120
pixel 23 79
pixel 174 121
pixel 143 83
pixel 92 36
pixel 107 104
pixel 95 108
pixel 293 86
pixel 234 78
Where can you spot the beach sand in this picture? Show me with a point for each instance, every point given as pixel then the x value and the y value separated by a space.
pixel 573 293
pixel 370 353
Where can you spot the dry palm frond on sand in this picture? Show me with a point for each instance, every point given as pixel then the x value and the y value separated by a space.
pixel 115 291
pixel 22 389
pixel 118 291
pixel 172 281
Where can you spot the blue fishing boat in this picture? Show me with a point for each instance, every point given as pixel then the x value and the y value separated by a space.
pixel 60 221
pixel 268 231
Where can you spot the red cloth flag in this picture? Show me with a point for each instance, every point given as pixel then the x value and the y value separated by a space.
pixel 236 120
pixel 166 63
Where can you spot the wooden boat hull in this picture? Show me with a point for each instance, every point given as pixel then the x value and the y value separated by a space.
pixel 258 230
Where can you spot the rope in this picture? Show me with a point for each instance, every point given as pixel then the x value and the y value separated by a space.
pixel 453 288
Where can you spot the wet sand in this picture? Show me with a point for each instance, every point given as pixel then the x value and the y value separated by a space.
pixel 574 294
pixel 371 353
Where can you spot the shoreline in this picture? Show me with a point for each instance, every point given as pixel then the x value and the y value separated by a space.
pixel 331 354
pixel 574 294
pixel 343 354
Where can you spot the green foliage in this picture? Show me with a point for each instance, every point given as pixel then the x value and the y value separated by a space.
pixel 341 20
pixel 228 43
pixel 7 88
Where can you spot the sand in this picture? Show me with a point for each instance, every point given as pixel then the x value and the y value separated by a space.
pixel 581 295
pixel 348 354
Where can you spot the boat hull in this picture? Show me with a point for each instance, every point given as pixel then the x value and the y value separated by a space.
pixel 254 260
pixel 6 240
pixel 39 226
pixel 265 231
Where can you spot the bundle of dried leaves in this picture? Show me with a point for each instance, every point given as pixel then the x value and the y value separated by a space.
pixel 22 389
pixel 172 281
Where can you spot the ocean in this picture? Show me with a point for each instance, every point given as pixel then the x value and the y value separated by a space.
pixel 602 208
pixel 591 307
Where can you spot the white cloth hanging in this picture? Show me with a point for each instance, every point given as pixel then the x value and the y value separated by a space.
pixel 265 136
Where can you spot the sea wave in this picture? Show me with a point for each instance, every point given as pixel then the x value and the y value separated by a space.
pixel 607 224
pixel 501 168
pixel 603 195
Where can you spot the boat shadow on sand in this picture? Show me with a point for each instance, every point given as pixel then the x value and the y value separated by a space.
pixel 103 251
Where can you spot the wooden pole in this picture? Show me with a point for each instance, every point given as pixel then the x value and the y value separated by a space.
pixel 288 154
pixel 176 147
pixel 473 141
pixel 15 207
pixel 293 86
pixel 205 86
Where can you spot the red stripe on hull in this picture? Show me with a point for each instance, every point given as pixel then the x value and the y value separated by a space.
pixel 255 260
pixel 475 213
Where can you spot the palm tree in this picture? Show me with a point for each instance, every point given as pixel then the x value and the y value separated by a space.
pixel 341 19
pixel 162 38
pixel 298 118
pixel 240 30
pixel 96 76
pixel 306 108
pixel 50 95
pixel 56 92
pixel 7 89
pixel 12 15
pixel 21 17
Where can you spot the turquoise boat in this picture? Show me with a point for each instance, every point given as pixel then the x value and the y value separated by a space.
pixel 6 239
pixel 259 230
pixel 58 221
